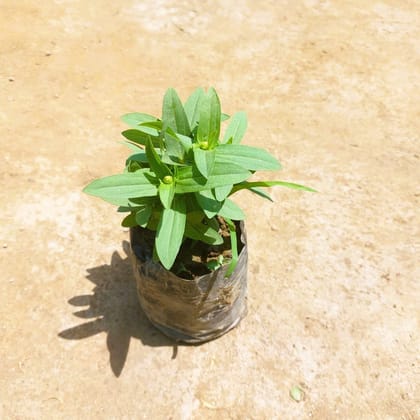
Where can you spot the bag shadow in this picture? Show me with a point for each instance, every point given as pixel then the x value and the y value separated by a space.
pixel 113 308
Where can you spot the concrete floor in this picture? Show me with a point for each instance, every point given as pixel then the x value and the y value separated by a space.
pixel 332 89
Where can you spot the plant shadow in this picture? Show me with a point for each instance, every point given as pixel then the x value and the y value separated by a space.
pixel 113 308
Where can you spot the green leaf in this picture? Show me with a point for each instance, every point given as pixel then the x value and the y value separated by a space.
pixel 142 202
pixel 215 264
pixel 192 107
pixel 261 193
pixel 133 147
pixel 180 143
pixel 155 217
pixel 197 228
pixel 123 209
pixel 251 158
pixel 222 192
pixel 143 216
pixel 147 130
pixel 190 180
pixel 129 220
pixel 166 194
pixel 209 122
pixel 139 157
pixel 170 232
pixel 194 213
pixel 156 164
pixel 236 128
pixel 208 203
pixel 139 137
pixel 213 223
pixel 135 118
pixel 133 166
pixel 173 113
pixel 231 211
pixel 234 247
pixel 157 125
pixel 248 185
pixel 185 141
pixel 136 204
pixel 224 117
pixel 136 136
pixel 204 160
pixel 174 148
pixel 171 160
pixel 118 189
pixel 149 126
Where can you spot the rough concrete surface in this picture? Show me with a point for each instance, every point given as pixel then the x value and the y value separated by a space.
pixel 332 89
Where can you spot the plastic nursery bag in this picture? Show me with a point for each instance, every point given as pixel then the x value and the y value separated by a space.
pixel 191 311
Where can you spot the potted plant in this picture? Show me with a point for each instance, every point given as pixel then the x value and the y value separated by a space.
pixel 187 236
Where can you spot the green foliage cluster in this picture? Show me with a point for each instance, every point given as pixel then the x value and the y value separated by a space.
pixel 182 173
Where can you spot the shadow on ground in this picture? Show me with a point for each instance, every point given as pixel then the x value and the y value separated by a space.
pixel 113 308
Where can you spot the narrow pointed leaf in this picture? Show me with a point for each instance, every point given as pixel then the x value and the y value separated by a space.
pixel 123 209
pixel 129 220
pixel 139 157
pixel 251 158
pixel 157 125
pixel 135 136
pixel 248 185
pixel 224 117
pixel 261 193
pixel 142 201
pixel 166 194
pixel 118 189
pixel 132 166
pixel 192 107
pixel 190 180
pixel 136 204
pixel 170 233
pixel 197 229
pixel 171 160
pixel 143 216
pixel 139 137
pixel 209 123
pixel 236 128
pixel 174 148
pixel 173 113
pixel 147 130
pixel 213 223
pixel 222 192
pixel 133 147
pixel 208 203
pixel 195 215
pixel 204 160
pixel 154 220
pixel 231 211
pixel 185 141
pixel 135 118
pixel 156 164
